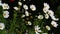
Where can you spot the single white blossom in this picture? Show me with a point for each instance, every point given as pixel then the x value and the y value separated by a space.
pixel 46 6
pixel 5 14
pixel 53 23
pixel 37 29
pixel 25 7
pixel 5 6
pixel 2 26
pixel 33 7
pixel 16 8
pixel 46 16
pixel 40 17
pixel 26 13
pixel 29 23
pixel 19 3
pixel 47 27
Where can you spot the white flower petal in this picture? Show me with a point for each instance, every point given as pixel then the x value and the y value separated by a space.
pixel 53 18
pixel 37 33
pixel 37 29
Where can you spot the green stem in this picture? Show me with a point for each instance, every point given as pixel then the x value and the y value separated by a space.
pixel 12 27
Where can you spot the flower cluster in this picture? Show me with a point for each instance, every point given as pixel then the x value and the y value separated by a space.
pixel 50 13
pixel 5 13
pixel 35 21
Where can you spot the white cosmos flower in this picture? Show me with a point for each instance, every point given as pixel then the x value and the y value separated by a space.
pixel 5 6
pixel 2 26
pixel 47 27
pixel 46 16
pixel 26 13
pixel 54 24
pixel 19 3
pixel 40 17
pixel 37 29
pixel 5 14
pixel 16 8
pixel 25 7
pixel 33 7
pixel 29 23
